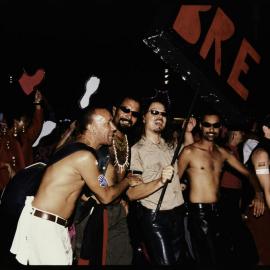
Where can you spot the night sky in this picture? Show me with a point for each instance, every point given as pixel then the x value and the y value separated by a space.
pixel 72 40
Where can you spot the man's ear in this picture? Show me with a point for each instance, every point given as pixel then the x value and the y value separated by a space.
pixel 90 128
pixel 264 128
pixel 113 111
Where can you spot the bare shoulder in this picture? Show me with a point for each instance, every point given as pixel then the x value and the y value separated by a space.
pixel 222 150
pixel 82 157
pixel 260 153
pixel 194 147
pixel 187 152
pixel 188 149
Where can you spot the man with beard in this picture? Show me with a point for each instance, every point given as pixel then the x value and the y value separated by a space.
pixel 106 239
pixel 163 237
pixel 203 162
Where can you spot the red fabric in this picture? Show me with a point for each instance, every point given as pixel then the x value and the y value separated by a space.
pixel 31 134
pixel 105 235
pixel 83 262
pixel 6 157
pixel 260 230
pixel 20 147
pixel 230 180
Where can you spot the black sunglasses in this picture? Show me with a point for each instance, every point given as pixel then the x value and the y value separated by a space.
pixel 208 125
pixel 127 110
pixel 156 112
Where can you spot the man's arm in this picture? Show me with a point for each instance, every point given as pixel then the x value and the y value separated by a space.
pixel 88 169
pixel 33 131
pixel 66 135
pixel 145 189
pixel 183 161
pixel 188 136
pixel 260 161
pixel 258 201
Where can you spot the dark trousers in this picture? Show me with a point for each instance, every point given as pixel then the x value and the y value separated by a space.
pixel 244 247
pixel 210 243
pixel 164 238
pixel 8 225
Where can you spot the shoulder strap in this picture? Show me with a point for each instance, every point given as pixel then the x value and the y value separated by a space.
pixel 68 150
pixel 103 158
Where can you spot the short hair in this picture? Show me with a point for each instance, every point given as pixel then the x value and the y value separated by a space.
pixel 148 101
pixel 266 121
pixel 134 97
pixel 209 111
pixel 86 117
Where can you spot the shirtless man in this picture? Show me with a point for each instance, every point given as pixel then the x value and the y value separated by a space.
pixel 203 161
pixel 42 236
pixel 260 159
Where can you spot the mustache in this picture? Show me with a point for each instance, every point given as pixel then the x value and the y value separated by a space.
pixel 125 119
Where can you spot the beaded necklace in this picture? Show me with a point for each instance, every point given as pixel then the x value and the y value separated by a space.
pixel 116 162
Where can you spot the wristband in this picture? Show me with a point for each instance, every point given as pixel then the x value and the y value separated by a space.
pixel 262 171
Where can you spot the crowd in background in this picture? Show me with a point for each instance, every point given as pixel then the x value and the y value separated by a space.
pixel 248 232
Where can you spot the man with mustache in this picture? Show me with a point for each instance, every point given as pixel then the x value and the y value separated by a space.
pixel 106 239
pixel 42 235
pixel 203 162
pixel 164 237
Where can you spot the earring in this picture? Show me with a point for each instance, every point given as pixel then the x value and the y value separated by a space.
pixel 23 129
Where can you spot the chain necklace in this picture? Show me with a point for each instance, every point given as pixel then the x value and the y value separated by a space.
pixel 116 163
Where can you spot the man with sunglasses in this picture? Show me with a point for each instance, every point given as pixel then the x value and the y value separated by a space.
pixel 203 162
pixel 106 239
pixel 163 237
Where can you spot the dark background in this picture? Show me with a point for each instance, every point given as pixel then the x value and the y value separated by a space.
pixel 73 40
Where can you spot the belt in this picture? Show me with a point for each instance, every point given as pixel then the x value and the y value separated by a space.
pixel 181 207
pixel 50 217
pixel 206 206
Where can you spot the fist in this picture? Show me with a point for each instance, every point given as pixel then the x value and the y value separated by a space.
pixel 167 174
pixel 191 124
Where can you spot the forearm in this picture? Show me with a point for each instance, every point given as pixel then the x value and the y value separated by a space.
pixel 143 190
pixel 255 183
pixel 114 191
pixel 188 138
pixel 64 138
pixel 267 198
pixel 265 184
pixel 35 128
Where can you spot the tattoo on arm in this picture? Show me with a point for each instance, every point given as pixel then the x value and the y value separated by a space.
pixel 261 164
